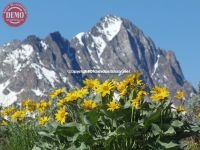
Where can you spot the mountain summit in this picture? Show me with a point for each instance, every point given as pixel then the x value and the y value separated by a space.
pixel 32 67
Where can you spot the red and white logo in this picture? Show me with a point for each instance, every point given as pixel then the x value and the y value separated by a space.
pixel 15 14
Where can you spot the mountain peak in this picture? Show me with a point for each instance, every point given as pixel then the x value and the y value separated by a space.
pixel 55 36
pixel 109 26
pixel 110 17
pixel 31 39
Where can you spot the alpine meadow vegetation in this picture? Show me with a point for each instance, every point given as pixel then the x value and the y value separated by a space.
pixel 109 115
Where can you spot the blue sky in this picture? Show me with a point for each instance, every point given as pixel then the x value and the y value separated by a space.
pixel 172 24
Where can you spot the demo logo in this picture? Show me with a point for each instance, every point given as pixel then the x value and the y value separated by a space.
pixel 15 14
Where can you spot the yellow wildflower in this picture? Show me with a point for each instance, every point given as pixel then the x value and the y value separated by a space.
pixel 81 92
pixel 159 93
pixel 141 94
pixel 61 115
pixel 180 94
pixel 133 79
pixel 105 88
pixel 180 109
pixel 89 104
pixel 26 102
pixel 29 105
pixel 62 102
pixel 42 106
pixel 8 111
pixel 123 92
pixel 121 86
pixel 18 115
pixel 139 82
pixel 112 106
pixel 91 83
pixel 57 92
pixel 74 95
pixel 43 120
pixel 135 103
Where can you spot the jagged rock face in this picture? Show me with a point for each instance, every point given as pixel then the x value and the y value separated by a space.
pixel 31 68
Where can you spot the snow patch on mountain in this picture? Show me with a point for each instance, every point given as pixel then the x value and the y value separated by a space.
pixel 63 77
pixel 79 37
pixel 21 66
pixel 70 85
pixel 91 55
pixel 22 54
pixel 38 92
pixel 100 45
pixel 110 27
pixel 44 45
pixel 165 77
pixel 155 66
pixel 37 70
pixel 7 99
pixel 43 72
pixel 7 44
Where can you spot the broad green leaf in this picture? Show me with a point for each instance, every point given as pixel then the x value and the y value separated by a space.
pixel 156 129
pixel 127 104
pixel 47 135
pixel 168 145
pixel 86 138
pixel 177 123
pixel 128 129
pixel 121 129
pixel 152 118
pixel 195 128
pixel 170 131
pixel 92 116
pixel 68 130
pixel 36 148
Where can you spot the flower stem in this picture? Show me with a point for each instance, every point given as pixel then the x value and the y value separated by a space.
pixel 132 114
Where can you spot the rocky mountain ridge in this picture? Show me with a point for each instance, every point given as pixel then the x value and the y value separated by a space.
pixel 34 66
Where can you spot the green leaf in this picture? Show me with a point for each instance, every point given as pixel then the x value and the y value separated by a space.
pixel 36 148
pixel 44 133
pixel 86 138
pixel 152 118
pixel 168 145
pixel 128 129
pixel 81 147
pixel 92 116
pixel 127 104
pixel 47 135
pixel 68 130
pixel 121 129
pixel 177 123
pixel 196 129
pixel 81 127
pixel 170 131
pixel 51 126
pixel 156 129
